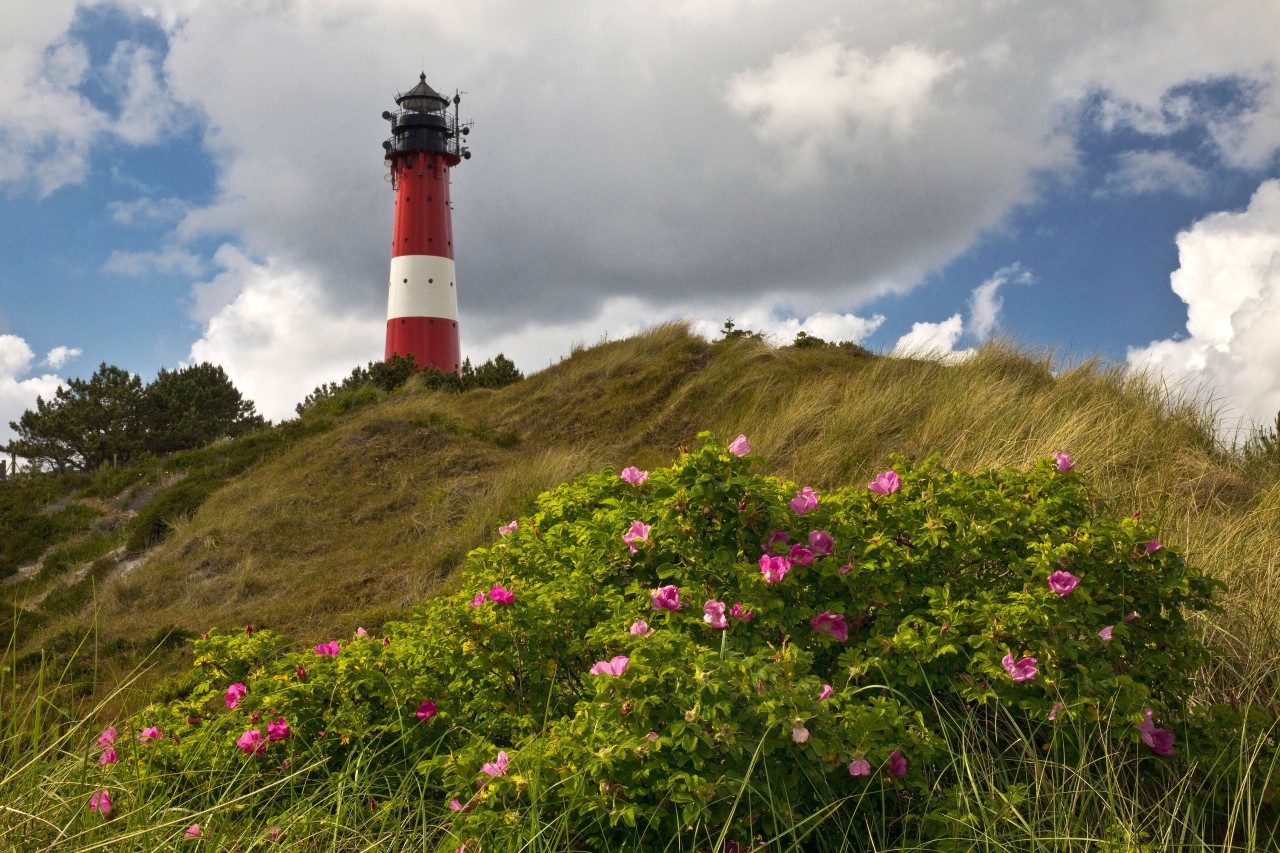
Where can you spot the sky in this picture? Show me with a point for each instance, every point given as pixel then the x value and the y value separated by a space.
pixel 202 180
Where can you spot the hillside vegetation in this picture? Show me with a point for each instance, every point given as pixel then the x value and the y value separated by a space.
pixel 333 521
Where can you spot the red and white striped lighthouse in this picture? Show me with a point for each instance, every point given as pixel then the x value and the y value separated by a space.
pixel 422 304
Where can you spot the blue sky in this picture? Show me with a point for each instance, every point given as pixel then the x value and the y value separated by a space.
pixel 182 180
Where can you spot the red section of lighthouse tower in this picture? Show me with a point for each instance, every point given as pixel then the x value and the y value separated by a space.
pixel 422 301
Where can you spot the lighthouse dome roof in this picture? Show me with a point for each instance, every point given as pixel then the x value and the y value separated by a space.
pixel 422 98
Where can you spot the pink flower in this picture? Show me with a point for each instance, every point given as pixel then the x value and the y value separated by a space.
pixel 897 763
pixel 1062 582
pixel 1053 712
pixel 251 742
pixel 193 831
pixel 108 757
pixel 361 632
pixel 149 733
pixel 1023 670
pixel 826 693
pixel 248 629
pixel 821 542
pixel 737 612
pixel 108 736
pixel 454 805
pixel 279 730
pixel 500 595
pixel 300 672
pixel 478 600
pixel 666 598
pixel 805 500
pixel 100 802
pixel 614 667
pixel 1160 740
pixel 496 768
pixel 1105 633
pixel 713 614
pixel 426 710
pixel 859 767
pixel 386 641
pixel 639 532
pixel 778 537
pixel 799 733
pixel 235 693
pixel 740 446
pixel 774 569
pixel 845 569
pixel 634 475
pixel 330 648
pixel 801 556
pixel 1129 617
pixel 831 624
pixel 886 483
pixel 507 529
pixel 1153 546
pixel 640 628
pixel 1062 461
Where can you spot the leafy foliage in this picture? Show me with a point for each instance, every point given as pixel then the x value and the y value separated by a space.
pixel 823 698
pixel 370 384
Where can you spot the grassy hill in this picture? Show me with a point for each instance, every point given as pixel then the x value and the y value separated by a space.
pixel 338 520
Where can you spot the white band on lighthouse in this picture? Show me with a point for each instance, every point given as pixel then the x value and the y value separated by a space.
pixel 422 286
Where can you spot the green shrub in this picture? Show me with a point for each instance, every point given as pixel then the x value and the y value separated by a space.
pixel 808 681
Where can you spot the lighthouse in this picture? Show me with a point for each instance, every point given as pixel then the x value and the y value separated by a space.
pixel 422 301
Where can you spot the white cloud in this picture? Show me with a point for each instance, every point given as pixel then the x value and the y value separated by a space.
pixel 147 210
pixel 770 318
pixel 1229 277
pixel 18 391
pixel 985 301
pixel 169 260
pixel 1139 172
pixel 933 340
pixel 279 336
pixel 58 356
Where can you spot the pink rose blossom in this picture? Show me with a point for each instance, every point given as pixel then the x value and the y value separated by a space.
pixel 826 693
pixel 235 693
pixel 1160 740
pixel 300 672
pixel 1053 712
pixel 330 648
pixel 361 632
pixel 773 568
pixel 100 802
pixel 426 710
pixel 640 628
pixel 614 667
pixel 1062 461
pixel 193 831
pixel 478 600
pixel 831 624
pixel 737 612
pixel 1130 616
pixel 897 763
pixel 713 614
pixel 740 446
pixel 500 595
pixel 279 730
pixel 386 641
pixel 1022 670
pixel 799 733
pixel 801 556
pixel 507 529
pixel 845 569
pixel 1153 546
pixel 886 483
pixel 1105 633
pixel 1062 582
pixel 821 542
pixel 666 598
pixel 639 532
pixel 806 499
pixel 248 629
pixel 778 537
pixel 634 475
pixel 149 733
pixel 454 805
pixel 108 757
pixel 859 767
pixel 252 742
pixel 108 736
pixel 497 768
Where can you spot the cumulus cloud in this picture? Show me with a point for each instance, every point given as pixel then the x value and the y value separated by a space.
pixel 169 260
pixel 985 302
pixel 933 340
pixel 1229 278
pixel 59 356
pixel 938 340
pixel 18 390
